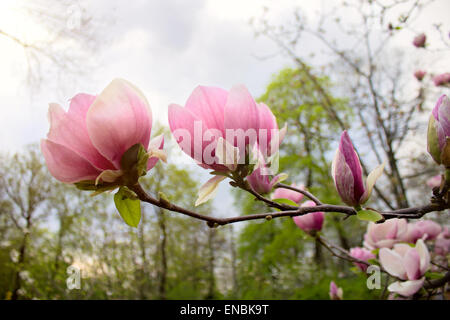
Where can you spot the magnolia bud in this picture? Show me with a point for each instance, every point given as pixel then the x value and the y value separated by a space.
pixel 439 132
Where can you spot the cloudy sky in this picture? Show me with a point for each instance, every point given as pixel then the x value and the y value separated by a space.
pixel 166 48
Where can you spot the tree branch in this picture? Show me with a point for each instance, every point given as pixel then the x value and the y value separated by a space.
pixel 286 210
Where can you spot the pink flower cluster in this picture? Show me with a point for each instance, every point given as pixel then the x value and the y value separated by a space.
pixel 393 238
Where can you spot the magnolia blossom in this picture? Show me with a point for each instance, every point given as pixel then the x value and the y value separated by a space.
pixel 87 142
pixel 220 129
pixel 406 263
pixel 435 181
pixel 386 234
pixel 311 221
pixel 361 254
pixel 336 293
pixel 442 243
pixel 441 79
pixel 212 113
pixel 439 131
pixel 425 229
pixel 420 74
pixel 347 174
pixel 283 193
pixel 419 41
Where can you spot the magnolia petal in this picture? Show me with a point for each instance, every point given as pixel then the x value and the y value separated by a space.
pixel 208 190
pixel 227 154
pixel 406 288
pixel 65 164
pixel 352 160
pixel 240 110
pixel 370 182
pixel 433 143
pixel 189 131
pixel 267 127
pixel 274 142
pixel 108 176
pixel 444 114
pixel 156 152
pixel 392 262
pixel 208 104
pixel 119 118
pixel 424 255
pixel 279 178
pixel 411 263
pixel 343 179
pixel 183 123
pixel 69 129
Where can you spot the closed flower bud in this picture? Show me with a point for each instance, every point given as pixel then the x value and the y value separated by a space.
pixel 419 41
pixel 347 174
pixel 439 132
pixel 419 74
pixel 311 221
pixel 361 254
pixel 336 293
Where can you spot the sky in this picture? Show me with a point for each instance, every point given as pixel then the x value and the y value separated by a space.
pixel 166 48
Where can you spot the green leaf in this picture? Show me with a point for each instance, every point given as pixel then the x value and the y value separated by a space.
pixel 285 201
pixel 128 206
pixel 433 275
pixel 369 215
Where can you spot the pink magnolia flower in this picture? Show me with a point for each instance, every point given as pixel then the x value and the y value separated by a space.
pixel 361 254
pixel 336 293
pixel 406 263
pixel 311 221
pixel 386 234
pixel 420 74
pixel 425 229
pixel 441 79
pixel 283 193
pixel 419 41
pixel 439 131
pixel 89 140
pixel 428 229
pixel 212 113
pixel 412 234
pixel 442 243
pixel 347 174
pixel 435 181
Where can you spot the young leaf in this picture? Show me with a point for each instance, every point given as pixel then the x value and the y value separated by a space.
pixel 128 206
pixel 369 215
pixel 285 201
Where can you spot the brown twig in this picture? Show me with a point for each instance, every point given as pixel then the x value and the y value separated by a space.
pixel 286 210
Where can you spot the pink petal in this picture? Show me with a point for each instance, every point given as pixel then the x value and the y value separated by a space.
pixel 406 288
pixel 392 262
pixel 69 129
pixel 267 123
pixel 424 255
pixel 66 165
pixel 208 104
pixel 241 112
pixel 343 179
pixel 411 263
pixel 119 118
pixel 159 143
pixel 188 131
pixel 352 160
